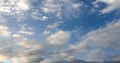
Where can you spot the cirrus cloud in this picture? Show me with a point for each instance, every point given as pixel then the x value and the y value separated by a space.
pixel 111 5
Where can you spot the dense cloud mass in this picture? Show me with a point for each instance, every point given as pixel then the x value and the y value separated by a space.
pixel 26 50
pixel 49 31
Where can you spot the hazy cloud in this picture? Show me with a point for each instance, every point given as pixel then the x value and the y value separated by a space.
pixel 112 5
pixel 59 38
pixel 96 41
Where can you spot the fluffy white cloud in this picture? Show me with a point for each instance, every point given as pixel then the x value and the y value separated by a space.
pixel 23 9
pixel 60 7
pixel 59 38
pixel 44 18
pixel 56 9
pixel 13 8
pixel 13 5
pixel 4 31
pixel 19 49
pixel 112 5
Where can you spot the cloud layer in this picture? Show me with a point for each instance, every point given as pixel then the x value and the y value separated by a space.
pixel 97 41
pixel 31 51
pixel 30 33
pixel 25 9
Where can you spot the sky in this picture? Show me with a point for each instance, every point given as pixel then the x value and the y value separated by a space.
pixel 47 31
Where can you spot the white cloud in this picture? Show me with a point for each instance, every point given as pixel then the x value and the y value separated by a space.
pixel 93 45
pixel 22 5
pixel 106 1
pixel 25 32
pixel 16 35
pixel 4 31
pixel 2 20
pixel 110 33
pixel 13 8
pixel 49 6
pixel 56 7
pixel 31 51
pixel 19 49
pixel 112 5
pixel 54 25
pixel 23 9
pixel 25 29
pixel 3 58
pixel 59 38
pixel 13 5
pixel 52 28
pixel 28 50
pixel 96 41
pixel 96 55
pixel 37 15
pixel 44 18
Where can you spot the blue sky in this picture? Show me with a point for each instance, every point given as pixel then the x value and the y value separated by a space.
pixel 44 31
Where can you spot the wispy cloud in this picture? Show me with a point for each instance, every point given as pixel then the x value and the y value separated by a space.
pixel 97 41
pixel 47 8
pixel 25 41
pixel 60 7
pixel 59 38
pixel 111 5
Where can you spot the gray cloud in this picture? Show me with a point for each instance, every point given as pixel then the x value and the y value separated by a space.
pixel 27 50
